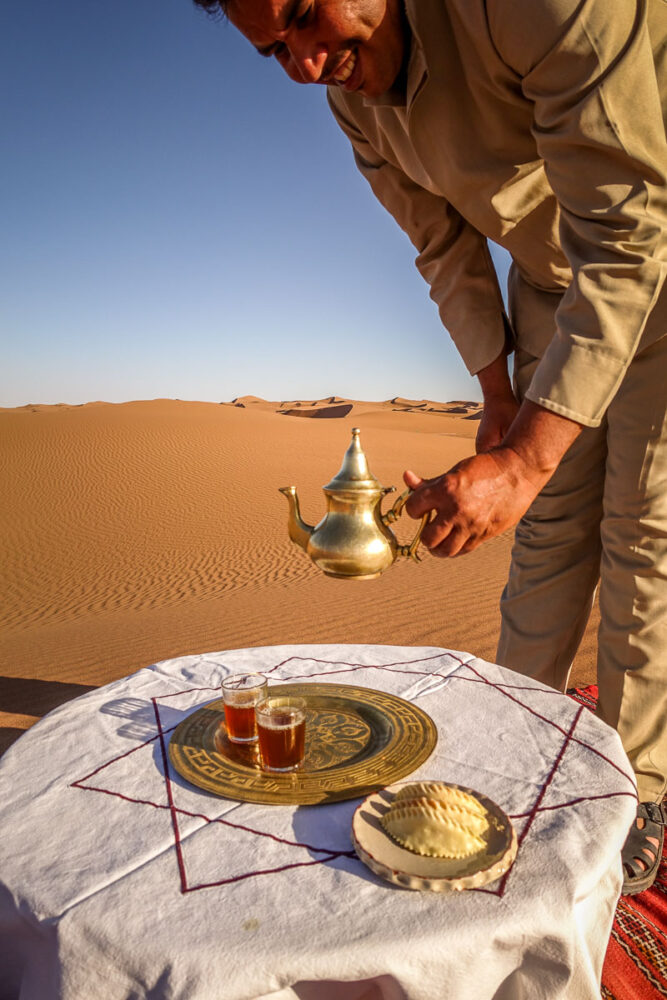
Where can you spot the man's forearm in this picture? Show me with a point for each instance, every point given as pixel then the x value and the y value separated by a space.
pixel 538 439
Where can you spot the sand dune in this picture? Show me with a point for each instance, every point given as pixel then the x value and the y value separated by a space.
pixel 139 531
pixel 339 410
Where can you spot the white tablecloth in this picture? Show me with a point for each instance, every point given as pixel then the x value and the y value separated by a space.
pixel 121 882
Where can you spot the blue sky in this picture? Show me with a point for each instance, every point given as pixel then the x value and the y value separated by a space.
pixel 181 220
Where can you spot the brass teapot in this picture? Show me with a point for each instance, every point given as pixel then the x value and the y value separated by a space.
pixel 353 539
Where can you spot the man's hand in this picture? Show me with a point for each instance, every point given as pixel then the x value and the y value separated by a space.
pixel 497 418
pixel 476 500
pixel 485 495
pixel 500 404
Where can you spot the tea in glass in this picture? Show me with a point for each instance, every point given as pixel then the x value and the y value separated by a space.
pixel 240 694
pixel 281 728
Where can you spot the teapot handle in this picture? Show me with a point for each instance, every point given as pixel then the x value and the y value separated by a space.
pixel 393 514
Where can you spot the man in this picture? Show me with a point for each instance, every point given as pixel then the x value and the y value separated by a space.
pixel 537 124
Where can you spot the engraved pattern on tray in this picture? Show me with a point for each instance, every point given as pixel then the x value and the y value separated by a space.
pixel 357 740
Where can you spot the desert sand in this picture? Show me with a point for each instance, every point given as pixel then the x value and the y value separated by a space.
pixel 139 531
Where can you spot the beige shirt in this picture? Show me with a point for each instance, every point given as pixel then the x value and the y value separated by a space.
pixel 538 124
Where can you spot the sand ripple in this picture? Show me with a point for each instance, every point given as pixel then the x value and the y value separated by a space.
pixel 139 531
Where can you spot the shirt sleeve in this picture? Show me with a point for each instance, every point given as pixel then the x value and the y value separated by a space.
pixel 588 68
pixel 453 257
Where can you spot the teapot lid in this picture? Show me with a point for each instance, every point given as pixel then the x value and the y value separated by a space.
pixel 354 473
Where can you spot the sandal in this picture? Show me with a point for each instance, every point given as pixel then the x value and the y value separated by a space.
pixel 640 856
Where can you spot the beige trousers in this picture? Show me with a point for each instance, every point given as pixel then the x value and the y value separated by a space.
pixel 602 516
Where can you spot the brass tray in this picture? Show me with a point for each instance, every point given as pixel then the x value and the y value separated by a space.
pixel 357 741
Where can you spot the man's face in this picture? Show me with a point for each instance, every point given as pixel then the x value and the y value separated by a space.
pixel 358 45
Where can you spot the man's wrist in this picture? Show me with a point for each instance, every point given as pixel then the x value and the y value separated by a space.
pixel 538 439
pixel 494 380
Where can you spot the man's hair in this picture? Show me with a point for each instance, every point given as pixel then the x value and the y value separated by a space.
pixel 214 7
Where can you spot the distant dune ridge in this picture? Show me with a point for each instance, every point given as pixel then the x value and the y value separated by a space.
pixel 138 531
pixel 315 407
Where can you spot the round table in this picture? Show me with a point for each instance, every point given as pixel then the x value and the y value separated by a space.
pixel 119 879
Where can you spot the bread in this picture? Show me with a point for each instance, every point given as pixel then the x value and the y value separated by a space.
pixel 437 820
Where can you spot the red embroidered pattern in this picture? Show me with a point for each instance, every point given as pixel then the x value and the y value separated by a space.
pixel 464 672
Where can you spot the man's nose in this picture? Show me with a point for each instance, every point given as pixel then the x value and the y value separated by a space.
pixel 308 60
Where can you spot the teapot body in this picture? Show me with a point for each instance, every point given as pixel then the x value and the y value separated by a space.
pixel 351 540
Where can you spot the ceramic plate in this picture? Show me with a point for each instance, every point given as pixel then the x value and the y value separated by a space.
pixel 390 861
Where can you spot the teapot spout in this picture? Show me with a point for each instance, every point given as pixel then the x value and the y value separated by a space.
pixel 297 528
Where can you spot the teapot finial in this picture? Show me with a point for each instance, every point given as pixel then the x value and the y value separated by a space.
pixel 354 472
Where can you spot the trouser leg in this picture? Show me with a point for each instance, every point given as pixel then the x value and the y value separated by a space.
pixel 555 559
pixel 632 641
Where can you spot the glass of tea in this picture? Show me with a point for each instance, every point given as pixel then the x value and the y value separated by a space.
pixel 240 694
pixel 281 728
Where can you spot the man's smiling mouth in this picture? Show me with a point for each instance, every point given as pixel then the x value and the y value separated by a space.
pixel 344 72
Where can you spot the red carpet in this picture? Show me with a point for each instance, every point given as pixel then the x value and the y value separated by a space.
pixel 636 964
